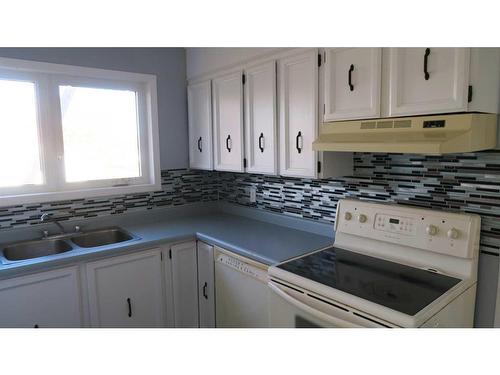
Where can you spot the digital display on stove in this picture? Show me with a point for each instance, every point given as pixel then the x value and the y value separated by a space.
pixel 396 286
pixel 393 221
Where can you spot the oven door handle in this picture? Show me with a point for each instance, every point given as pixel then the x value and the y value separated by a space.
pixel 308 309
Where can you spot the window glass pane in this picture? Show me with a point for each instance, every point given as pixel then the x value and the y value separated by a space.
pixel 100 133
pixel 19 146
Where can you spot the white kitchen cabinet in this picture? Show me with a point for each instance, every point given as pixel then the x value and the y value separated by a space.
pixel 298 113
pixel 126 291
pixel 352 78
pixel 182 268
pixel 227 100
pixel 200 125
pixel 261 118
pixel 44 300
pixel 428 80
pixel 206 285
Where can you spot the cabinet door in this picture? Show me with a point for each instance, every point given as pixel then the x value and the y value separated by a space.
pixel 260 119
pixel 126 291
pixel 206 290
pixel 298 115
pixel 428 80
pixel 184 271
pixel 228 122
pixel 200 125
pixel 45 300
pixel 352 83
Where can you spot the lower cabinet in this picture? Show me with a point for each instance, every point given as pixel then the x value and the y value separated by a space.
pixel 190 280
pixel 126 291
pixel 206 285
pixel 182 268
pixel 170 286
pixel 44 300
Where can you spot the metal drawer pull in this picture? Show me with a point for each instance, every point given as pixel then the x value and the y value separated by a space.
pixel 298 142
pixel 228 143
pixel 426 60
pixel 129 308
pixel 205 290
pixel 349 78
pixel 199 144
pixel 261 142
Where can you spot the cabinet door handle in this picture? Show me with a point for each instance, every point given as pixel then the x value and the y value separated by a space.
pixel 228 140
pixel 261 142
pixel 129 303
pixel 349 77
pixel 199 144
pixel 205 290
pixel 297 142
pixel 426 60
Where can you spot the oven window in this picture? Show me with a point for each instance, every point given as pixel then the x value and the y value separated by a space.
pixel 300 322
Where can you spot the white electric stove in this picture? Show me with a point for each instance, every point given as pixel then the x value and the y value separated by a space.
pixel 390 266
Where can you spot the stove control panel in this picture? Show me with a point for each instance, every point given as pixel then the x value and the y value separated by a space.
pixel 433 230
pixel 395 224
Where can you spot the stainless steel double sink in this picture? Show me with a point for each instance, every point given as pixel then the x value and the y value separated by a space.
pixel 63 243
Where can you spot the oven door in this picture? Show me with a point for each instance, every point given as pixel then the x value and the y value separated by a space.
pixel 292 308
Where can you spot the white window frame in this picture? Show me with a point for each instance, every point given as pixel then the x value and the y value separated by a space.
pixel 48 77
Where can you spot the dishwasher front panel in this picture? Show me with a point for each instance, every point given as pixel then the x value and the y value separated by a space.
pixel 240 292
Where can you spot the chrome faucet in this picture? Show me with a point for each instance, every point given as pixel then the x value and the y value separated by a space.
pixel 50 218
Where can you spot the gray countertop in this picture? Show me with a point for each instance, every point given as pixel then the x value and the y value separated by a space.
pixel 249 232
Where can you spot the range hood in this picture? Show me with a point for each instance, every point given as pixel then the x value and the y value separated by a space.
pixel 434 134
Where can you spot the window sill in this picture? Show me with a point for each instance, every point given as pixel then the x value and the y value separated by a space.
pixel 33 198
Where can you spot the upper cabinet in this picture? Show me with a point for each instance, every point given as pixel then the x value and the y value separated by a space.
pixel 298 113
pixel 265 113
pixel 227 98
pixel 261 118
pixel 428 80
pixel 262 115
pixel 359 83
pixel 352 79
pixel 246 143
pixel 200 125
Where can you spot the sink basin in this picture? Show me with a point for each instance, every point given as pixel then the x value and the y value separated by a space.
pixel 35 249
pixel 101 237
pixel 62 243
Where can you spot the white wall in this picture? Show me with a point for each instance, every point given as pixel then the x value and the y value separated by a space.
pixel 169 66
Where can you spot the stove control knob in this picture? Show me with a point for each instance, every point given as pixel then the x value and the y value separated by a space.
pixel 453 233
pixel 347 216
pixel 362 218
pixel 431 230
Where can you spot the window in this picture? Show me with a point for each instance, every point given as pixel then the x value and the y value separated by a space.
pixel 19 147
pixel 100 133
pixel 71 132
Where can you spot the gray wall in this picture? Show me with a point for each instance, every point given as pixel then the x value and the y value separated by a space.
pixel 168 64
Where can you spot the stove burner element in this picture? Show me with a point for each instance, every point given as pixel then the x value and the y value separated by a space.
pixel 393 285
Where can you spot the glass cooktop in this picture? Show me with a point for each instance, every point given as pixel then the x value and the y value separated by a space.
pixel 399 287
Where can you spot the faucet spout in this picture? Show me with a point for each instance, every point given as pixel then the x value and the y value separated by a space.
pixel 49 218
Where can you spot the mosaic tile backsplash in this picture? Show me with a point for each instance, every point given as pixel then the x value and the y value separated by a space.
pixel 461 182
pixel 178 187
pixel 457 182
